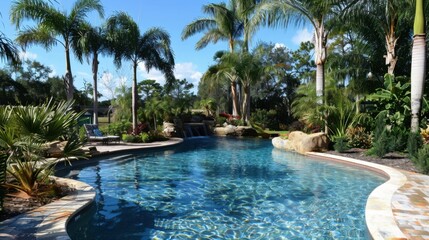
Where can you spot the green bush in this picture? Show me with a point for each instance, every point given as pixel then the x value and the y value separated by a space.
pixel 414 143
pixel 265 119
pixel 157 136
pixel 382 142
pixel 340 144
pixel 421 160
pixel 220 120
pixel 146 138
pixel 117 128
pixel 82 134
pixel 358 137
pixel 399 138
pixel 128 138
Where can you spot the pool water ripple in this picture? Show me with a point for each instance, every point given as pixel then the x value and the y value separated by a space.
pixel 224 189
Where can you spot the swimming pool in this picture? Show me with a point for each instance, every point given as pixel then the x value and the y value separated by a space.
pixel 220 188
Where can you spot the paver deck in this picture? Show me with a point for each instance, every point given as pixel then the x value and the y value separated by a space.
pixel 403 200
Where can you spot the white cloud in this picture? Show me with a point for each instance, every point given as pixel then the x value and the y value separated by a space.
pixel 54 71
pixel 279 45
pixel 23 55
pixel 302 36
pixel 186 70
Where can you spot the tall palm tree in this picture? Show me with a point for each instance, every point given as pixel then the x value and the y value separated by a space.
pixel 222 23
pixel 93 42
pixel 322 15
pixel 418 65
pixel 152 48
pixel 387 17
pixel 53 27
pixel 247 69
pixel 8 50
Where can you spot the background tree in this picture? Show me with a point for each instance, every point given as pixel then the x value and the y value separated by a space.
pixel 152 48
pixel 222 23
pixel 322 15
pixel 93 42
pixel 53 27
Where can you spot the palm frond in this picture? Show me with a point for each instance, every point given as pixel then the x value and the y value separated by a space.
pixel 37 35
pixel 8 50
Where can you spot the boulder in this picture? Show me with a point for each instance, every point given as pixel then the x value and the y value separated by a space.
pixel 230 130
pixel 169 129
pixel 302 142
pixel 55 149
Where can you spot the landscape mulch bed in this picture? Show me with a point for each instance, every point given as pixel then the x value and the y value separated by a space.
pixel 16 205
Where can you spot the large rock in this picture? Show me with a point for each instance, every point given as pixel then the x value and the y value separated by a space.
pixel 302 142
pixel 240 131
pixel 169 129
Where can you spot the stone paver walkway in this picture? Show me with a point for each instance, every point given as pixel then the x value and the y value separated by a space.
pixel 410 206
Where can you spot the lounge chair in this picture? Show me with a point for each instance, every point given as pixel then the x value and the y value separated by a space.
pixel 95 135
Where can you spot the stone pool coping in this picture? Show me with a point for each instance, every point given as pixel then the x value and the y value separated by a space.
pixel 50 221
pixel 379 216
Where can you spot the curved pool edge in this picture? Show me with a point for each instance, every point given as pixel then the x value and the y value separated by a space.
pixel 50 221
pixel 379 216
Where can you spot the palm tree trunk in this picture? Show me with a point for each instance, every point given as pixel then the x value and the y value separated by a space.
pixel 94 93
pixel 246 103
pixel 235 104
pixel 134 97
pixel 320 82
pixel 391 57
pixel 418 68
pixel 418 65
pixel 68 79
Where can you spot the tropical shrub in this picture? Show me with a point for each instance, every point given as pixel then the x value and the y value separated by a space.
pixel 358 137
pixel 117 128
pixel 3 167
pixel 82 134
pixel 265 119
pixel 421 160
pixel 382 141
pixel 220 120
pixel 394 99
pixel 145 137
pixel 157 136
pixel 425 134
pixel 414 143
pixel 341 144
pixel 30 136
pixel 131 138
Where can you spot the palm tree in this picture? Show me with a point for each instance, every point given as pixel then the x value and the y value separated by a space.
pixel 247 69
pixel 92 43
pixel 152 48
pixel 418 65
pixel 53 27
pixel 322 15
pixel 222 23
pixel 8 50
pixel 387 17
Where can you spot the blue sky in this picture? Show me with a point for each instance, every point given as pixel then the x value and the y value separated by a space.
pixel 172 16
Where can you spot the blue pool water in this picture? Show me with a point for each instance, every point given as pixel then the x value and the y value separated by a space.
pixel 212 188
